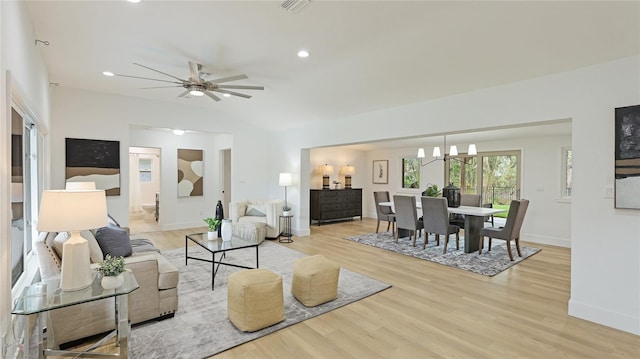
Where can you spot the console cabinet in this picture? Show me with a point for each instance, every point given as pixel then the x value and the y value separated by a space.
pixel 333 204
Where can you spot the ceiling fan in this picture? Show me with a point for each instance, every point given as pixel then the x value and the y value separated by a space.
pixel 195 85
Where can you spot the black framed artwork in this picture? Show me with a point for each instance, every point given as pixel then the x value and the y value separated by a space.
pixel 93 161
pixel 627 157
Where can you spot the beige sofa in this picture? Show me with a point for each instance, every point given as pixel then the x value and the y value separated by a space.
pixel 157 297
pixel 267 212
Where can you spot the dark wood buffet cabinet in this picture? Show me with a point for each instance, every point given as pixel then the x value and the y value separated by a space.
pixel 334 204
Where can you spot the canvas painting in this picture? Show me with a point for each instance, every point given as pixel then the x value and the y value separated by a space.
pixel 190 174
pixel 94 161
pixel 627 156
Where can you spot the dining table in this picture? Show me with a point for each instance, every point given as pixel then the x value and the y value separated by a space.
pixel 473 222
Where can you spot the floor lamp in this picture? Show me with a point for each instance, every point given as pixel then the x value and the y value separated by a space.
pixel 73 211
pixel 285 180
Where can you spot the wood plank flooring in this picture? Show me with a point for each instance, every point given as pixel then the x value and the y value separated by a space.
pixel 434 311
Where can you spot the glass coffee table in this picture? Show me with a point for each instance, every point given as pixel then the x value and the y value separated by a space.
pixel 219 246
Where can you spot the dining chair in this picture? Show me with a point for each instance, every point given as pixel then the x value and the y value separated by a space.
pixel 489 218
pixel 511 229
pixel 407 216
pixel 436 221
pixel 385 213
pixel 471 200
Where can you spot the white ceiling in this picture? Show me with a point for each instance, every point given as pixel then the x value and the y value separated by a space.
pixel 365 55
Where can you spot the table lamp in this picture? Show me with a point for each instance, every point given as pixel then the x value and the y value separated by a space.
pixel 348 171
pixel 73 211
pixel 326 172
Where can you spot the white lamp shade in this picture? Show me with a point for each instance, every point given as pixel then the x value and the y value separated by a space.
pixel 420 152
pixel 436 151
pixel 327 170
pixel 347 170
pixel 472 150
pixel 285 179
pixel 82 186
pixel 72 210
pixel 453 151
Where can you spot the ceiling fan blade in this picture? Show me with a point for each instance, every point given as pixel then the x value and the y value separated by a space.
pixel 166 74
pixel 214 97
pixel 194 68
pixel 158 87
pixel 184 94
pixel 147 78
pixel 232 93
pixel 241 87
pixel 230 78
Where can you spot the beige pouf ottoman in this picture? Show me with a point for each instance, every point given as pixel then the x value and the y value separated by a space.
pixel 249 230
pixel 255 299
pixel 315 280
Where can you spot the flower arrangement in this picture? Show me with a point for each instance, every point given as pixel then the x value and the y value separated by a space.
pixel 111 266
pixel 432 191
pixel 213 223
pixel 286 208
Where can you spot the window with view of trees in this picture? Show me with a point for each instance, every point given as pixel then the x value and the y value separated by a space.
pixel 411 172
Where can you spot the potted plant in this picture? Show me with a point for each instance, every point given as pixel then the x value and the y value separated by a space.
pixel 213 225
pixel 286 211
pixel 432 191
pixel 111 269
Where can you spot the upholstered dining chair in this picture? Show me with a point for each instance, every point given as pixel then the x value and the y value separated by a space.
pixel 407 216
pixel 436 221
pixel 511 229
pixel 471 200
pixel 384 213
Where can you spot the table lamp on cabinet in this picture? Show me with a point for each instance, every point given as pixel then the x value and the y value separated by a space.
pixel 73 211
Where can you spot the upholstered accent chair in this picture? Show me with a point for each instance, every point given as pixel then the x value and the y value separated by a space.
pixel 436 221
pixel 511 229
pixel 384 213
pixel 407 216
pixel 267 212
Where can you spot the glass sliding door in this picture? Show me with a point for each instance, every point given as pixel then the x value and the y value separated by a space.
pixel 501 177
pixel 463 173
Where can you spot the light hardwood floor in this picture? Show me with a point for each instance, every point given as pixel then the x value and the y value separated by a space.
pixel 434 311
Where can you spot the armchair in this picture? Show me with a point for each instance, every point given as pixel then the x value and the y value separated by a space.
pixel 267 212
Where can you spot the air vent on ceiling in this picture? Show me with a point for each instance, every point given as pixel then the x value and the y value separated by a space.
pixel 293 6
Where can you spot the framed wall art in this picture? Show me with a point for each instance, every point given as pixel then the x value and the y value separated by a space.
pixel 380 171
pixel 190 174
pixel 627 157
pixel 93 161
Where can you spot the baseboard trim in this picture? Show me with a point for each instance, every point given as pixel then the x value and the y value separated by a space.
pixel 553 241
pixel 604 317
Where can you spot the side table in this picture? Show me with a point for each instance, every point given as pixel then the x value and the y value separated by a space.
pixel 285 229
pixel 39 298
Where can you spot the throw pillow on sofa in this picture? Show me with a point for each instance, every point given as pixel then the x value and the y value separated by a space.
pixel 256 211
pixel 114 241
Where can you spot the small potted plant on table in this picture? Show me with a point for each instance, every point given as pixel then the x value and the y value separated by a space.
pixel 111 269
pixel 286 211
pixel 213 224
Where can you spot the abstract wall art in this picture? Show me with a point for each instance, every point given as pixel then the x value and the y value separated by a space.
pixel 190 174
pixel 94 161
pixel 627 157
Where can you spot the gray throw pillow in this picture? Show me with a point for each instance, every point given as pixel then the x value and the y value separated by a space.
pixel 114 241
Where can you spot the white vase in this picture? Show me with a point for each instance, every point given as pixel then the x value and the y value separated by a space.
pixel 112 282
pixel 286 213
pixel 212 235
pixel 226 230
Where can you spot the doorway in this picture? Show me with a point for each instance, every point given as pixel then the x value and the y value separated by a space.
pixel 144 189
pixel 225 156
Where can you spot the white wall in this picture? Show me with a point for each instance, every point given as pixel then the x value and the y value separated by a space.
pixel 29 79
pixel 605 242
pixel 86 114
pixel 149 189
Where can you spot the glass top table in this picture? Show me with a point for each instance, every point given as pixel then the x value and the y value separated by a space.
pixel 216 246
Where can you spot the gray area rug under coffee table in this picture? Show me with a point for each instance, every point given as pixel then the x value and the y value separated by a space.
pixel 488 263
pixel 201 328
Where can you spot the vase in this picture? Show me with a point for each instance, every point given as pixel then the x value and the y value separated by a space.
pixel 286 213
pixel 112 282
pixel 211 235
pixel 226 229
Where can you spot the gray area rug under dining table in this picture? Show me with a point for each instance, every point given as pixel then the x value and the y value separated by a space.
pixel 201 328
pixel 488 263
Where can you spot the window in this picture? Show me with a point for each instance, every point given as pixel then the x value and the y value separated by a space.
pixel 566 172
pixel 144 167
pixel 494 175
pixel 411 172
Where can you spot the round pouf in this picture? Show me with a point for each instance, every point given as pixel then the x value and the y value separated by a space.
pixel 315 280
pixel 255 299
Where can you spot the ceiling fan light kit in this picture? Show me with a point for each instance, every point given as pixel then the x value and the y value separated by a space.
pixel 195 85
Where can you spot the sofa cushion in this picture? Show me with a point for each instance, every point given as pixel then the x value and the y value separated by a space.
pixel 255 210
pixel 114 241
pixel 168 274
pixel 95 252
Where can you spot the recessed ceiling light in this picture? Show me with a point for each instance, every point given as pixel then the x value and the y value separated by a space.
pixel 178 132
pixel 226 95
pixel 303 53
pixel 107 73
pixel 134 1
pixel 195 91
